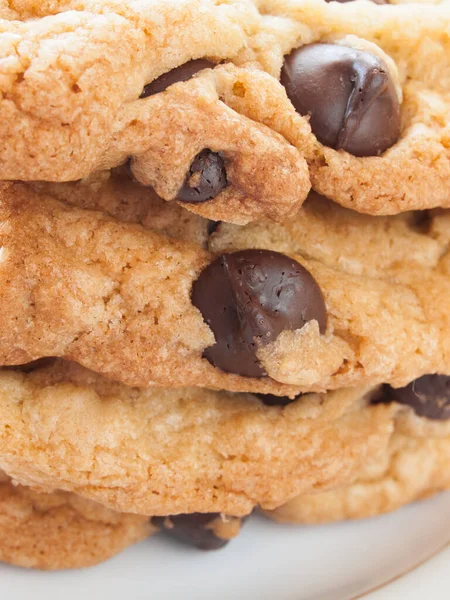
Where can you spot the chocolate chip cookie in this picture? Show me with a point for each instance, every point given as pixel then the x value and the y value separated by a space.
pixel 414 465
pixel 329 299
pixel 163 452
pixel 239 116
pixel 61 530
pixel 193 320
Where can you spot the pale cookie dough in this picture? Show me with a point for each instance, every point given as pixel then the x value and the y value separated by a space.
pixel 117 298
pixel 70 99
pixel 61 530
pixel 414 465
pixel 162 452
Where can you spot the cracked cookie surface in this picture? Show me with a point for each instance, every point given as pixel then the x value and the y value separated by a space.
pixel 418 163
pixel 414 465
pixel 61 530
pixel 116 297
pixel 51 99
pixel 162 452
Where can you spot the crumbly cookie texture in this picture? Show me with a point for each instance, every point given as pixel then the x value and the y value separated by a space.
pixel 61 530
pixel 367 267
pixel 59 124
pixel 52 99
pixel 115 193
pixel 162 452
pixel 414 172
pixel 116 297
pixel 414 465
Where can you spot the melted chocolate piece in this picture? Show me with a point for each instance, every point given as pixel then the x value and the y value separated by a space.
pixel 345 1
pixel 429 396
pixel 207 177
pixel 272 400
pixel 251 296
pixel 349 95
pixel 191 529
pixel 181 73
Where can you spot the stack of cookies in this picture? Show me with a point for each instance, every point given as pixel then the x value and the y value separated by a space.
pixel 224 266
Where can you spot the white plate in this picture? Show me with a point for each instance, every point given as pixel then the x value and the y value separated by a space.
pixel 268 561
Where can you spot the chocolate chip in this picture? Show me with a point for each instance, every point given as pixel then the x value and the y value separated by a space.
pixel 252 296
pixel 207 177
pixel 349 95
pixel 429 396
pixel 191 529
pixel 272 400
pixel 181 73
pixel 345 1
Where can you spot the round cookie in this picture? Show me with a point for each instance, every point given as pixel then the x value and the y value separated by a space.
pixel 121 299
pixel 168 451
pixel 204 116
pixel 418 162
pixel 166 133
pixel 413 465
pixel 61 530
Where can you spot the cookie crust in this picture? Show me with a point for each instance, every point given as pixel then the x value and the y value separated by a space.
pixel 116 297
pixel 60 125
pixel 413 466
pixel 61 530
pixel 163 452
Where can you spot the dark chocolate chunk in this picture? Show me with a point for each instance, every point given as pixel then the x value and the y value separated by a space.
pixel 181 73
pixel 345 1
pixel 252 296
pixel 349 95
pixel 191 529
pixel 207 177
pixel 429 396
pixel 272 400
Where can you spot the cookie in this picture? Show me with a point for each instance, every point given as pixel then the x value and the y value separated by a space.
pixel 414 465
pixel 116 194
pixel 163 452
pixel 169 135
pixel 351 168
pixel 329 299
pixel 61 530
pixel 387 259
pixel 213 118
